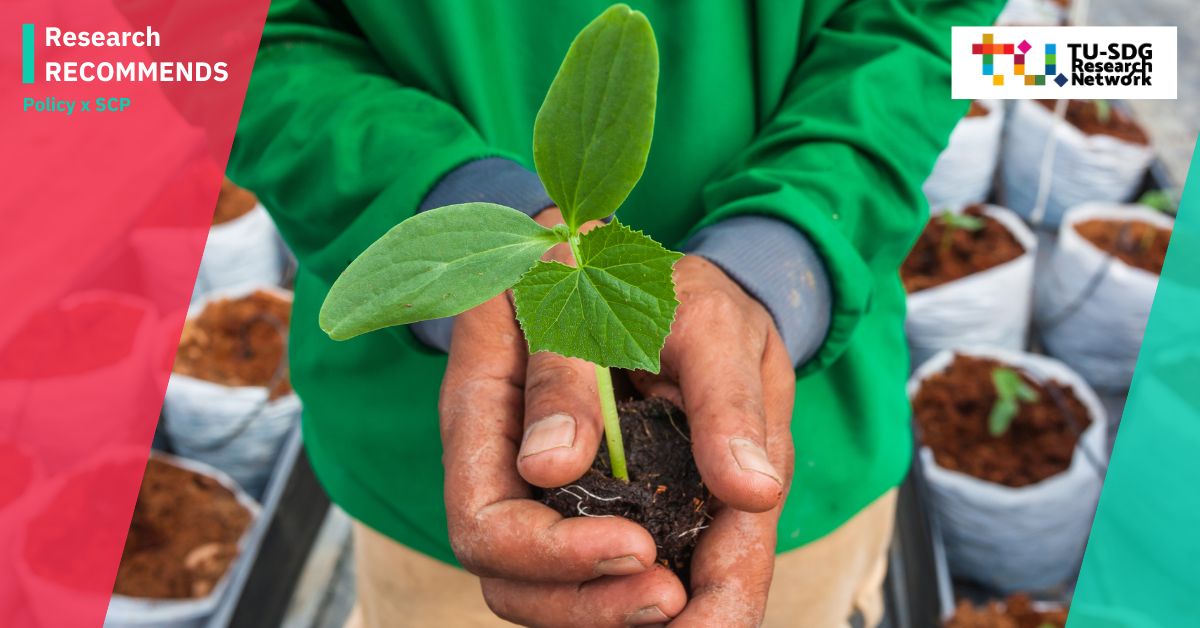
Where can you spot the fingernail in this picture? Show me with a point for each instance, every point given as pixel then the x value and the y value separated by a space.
pixel 623 566
pixel 751 457
pixel 646 616
pixel 552 432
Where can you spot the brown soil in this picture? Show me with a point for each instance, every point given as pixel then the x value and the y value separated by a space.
pixel 211 347
pixel 70 541
pixel 1136 243
pixel 184 534
pixel 17 470
pixel 1017 612
pixel 665 493
pixel 952 411
pixel 929 264
pixel 60 343
pixel 1082 114
pixel 233 202
pixel 977 110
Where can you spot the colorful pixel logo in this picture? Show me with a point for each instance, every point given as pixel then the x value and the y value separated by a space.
pixel 989 50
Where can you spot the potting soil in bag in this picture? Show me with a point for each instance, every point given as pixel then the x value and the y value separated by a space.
pixel 964 171
pixel 1032 536
pixel 1091 305
pixel 1085 168
pixel 989 307
pixel 62 573
pixel 143 597
pixel 228 402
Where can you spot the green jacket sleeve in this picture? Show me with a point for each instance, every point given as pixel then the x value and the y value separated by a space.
pixel 860 122
pixel 334 146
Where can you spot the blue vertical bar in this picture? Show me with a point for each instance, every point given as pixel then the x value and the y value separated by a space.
pixel 27 71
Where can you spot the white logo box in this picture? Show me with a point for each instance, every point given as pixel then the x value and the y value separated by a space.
pixel 1120 58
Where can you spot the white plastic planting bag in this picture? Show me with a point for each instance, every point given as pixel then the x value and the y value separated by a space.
pixel 1085 168
pixel 55 605
pixel 989 307
pixel 963 172
pixel 247 249
pixel 1091 308
pixel 132 612
pixel 236 429
pixel 47 406
pixel 1027 538
pixel 1032 13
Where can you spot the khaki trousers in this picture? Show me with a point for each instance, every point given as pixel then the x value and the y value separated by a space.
pixel 820 585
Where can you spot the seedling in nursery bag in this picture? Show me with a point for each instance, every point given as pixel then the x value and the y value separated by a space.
pixel 1010 391
pixel 1093 301
pixel 614 308
pixel 1101 155
pixel 969 279
pixel 1015 504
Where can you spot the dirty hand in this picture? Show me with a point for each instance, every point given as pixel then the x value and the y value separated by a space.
pixel 724 363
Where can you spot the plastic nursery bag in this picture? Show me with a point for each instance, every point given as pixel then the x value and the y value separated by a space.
pixel 1032 13
pixel 132 612
pixel 964 171
pixel 236 429
pixel 989 307
pixel 1091 308
pixel 56 605
pixel 1085 168
pixel 247 249
pixel 1028 538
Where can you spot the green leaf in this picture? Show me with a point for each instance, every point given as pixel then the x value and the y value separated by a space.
pixel 592 134
pixel 614 309
pixel 963 221
pixel 1003 413
pixel 1009 388
pixel 1025 393
pixel 438 263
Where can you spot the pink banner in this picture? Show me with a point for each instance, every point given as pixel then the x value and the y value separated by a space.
pixel 117 121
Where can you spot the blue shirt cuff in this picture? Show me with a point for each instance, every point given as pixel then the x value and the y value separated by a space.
pixel 777 265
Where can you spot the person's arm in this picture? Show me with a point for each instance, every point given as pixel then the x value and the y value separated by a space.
pixel 865 113
pixel 335 147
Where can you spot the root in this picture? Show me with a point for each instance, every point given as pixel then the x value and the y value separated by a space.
pixel 672 420
pixel 579 504
pixel 695 530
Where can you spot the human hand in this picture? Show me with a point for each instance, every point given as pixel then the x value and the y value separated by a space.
pixel 723 362
pixel 537 568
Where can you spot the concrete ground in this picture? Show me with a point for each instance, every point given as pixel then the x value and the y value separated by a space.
pixel 325 595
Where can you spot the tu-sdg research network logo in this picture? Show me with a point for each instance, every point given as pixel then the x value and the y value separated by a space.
pixel 1089 64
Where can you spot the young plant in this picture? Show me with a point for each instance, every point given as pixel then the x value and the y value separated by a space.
pixel 1103 111
pixel 954 221
pixel 1010 391
pixel 590 143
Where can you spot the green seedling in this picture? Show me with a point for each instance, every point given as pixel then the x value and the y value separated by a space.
pixel 1010 391
pixel 953 221
pixel 1103 111
pixel 591 139
pixel 1159 200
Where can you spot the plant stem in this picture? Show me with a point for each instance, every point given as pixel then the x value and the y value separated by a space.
pixel 612 423
pixel 947 235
